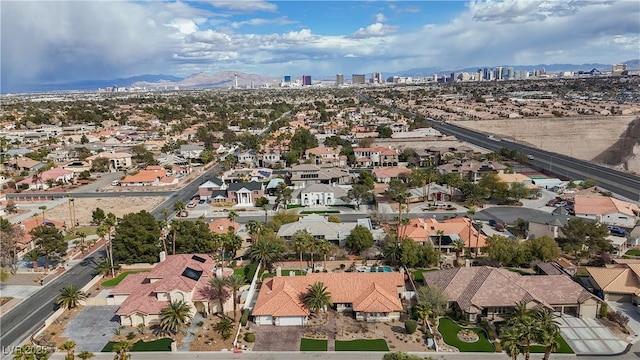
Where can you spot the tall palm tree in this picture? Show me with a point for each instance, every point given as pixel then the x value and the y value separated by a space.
pixel 175 316
pixel 392 253
pixel 267 252
pixel 317 297
pixel 232 215
pixel 37 178
pixel 253 228
pixel 110 222
pixel 70 296
pixel 179 206
pixel 324 248
pixel 423 311
pixel 301 241
pixel 440 233
pixel 122 349
pixel 69 347
pixel 85 355
pixel 224 328
pixel 103 267
pixel 458 246
pixel 43 208
pixel 510 342
pixel 235 282
pixel 479 229
pixel 548 330
pixel 523 322
pixel 219 291
pixel 471 211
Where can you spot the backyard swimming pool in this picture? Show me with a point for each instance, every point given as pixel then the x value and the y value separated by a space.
pixel 374 269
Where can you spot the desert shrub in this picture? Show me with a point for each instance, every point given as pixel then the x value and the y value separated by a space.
pixel 618 317
pixel 131 335
pixel 604 310
pixel 411 326
pixel 497 346
pixel 245 317
pixel 250 337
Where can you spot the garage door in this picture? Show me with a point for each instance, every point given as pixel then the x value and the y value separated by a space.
pixel 619 297
pixel 290 320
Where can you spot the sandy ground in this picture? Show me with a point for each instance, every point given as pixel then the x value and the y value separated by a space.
pixel 117 205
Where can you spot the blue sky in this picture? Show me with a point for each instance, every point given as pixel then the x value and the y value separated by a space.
pixel 45 42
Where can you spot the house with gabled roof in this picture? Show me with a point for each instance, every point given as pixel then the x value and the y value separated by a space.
pixel 619 281
pixel 369 296
pixel 607 210
pixel 318 195
pixel 206 189
pixel 143 295
pixel 492 293
pixel 442 234
pixel 245 193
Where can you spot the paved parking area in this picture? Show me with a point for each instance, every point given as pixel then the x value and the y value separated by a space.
pixel 277 338
pixel 92 327
pixel 590 337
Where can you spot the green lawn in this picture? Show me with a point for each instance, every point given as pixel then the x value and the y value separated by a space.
pixel 73 234
pixel 116 280
pixel 313 345
pixel 308 212
pixel 156 345
pixel 417 274
pixel 563 349
pixel 449 331
pixel 240 272
pixel 633 252
pixel 362 345
pixel 285 272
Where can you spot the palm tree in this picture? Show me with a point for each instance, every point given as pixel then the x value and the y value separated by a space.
pixel 218 291
pixel 423 311
pixel 440 233
pixel 470 212
pixel 324 248
pixel 104 267
pixel 301 241
pixel 253 228
pixel 548 330
pixel 317 297
pixel 392 253
pixel 523 322
pixel 37 178
pixel 43 208
pixel 175 316
pixel 101 231
pixel 267 252
pixel 122 350
pixel 235 282
pixel 84 355
pixel 70 296
pixel 110 221
pixel 232 215
pixel 69 347
pixel 458 246
pixel 479 229
pixel 224 328
pixel 179 206
pixel 510 342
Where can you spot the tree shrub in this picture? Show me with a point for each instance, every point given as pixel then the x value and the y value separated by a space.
pixel 411 326
pixel 604 310
pixel 245 317
pixel 251 271
pixel 618 317
pixel 131 335
pixel 250 337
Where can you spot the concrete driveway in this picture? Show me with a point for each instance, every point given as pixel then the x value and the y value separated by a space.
pixel 590 337
pixel 634 317
pixel 92 327
pixel 277 338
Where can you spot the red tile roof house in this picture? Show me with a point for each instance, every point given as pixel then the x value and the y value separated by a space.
pixel 25 243
pixel 142 296
pixel 491 293
pixel 57 175
pixel 370 296
pixel 607 210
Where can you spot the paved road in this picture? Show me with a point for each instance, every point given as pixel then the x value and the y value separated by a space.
pixel 28 316
pixel 618 182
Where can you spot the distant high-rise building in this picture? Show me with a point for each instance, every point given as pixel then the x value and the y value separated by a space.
pixel 287 79
pixel 306 80
pixel 376 78
pixel 339 79
pixel 498 73
pixel 618 69
pixel 357 79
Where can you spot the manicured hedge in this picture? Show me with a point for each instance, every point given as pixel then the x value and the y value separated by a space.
pixel 245 317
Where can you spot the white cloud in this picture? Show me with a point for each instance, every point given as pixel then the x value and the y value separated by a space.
pixel 282 20
pixel 380 18
pixel 376 29
pixel 245 5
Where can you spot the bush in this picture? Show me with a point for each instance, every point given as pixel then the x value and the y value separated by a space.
pixel 131 335
pixel 618 317
pixel 411 326
pixel 604 310
pixel 251 271
pixel 497 346
pixel 245 317
pixel 250 337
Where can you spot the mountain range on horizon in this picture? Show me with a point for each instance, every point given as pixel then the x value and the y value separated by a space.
pixel 226 79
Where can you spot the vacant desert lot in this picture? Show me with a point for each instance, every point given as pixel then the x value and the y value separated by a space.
pixel 118 205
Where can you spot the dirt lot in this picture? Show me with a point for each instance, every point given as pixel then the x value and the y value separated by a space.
pixel 117 205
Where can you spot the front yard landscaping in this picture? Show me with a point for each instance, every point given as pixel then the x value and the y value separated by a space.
pixel 116 280
pixel 564 348
pixel 362 345
pixel 633 252
pixel 285 272
pixel 155 345
pixel 313 345
pixel 449 330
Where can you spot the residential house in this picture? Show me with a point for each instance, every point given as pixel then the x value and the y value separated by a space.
pixel 245 194
pixel 318 195
pixel 326 155
pixel 492 293
pixel 442 234
pixel 26 164
pixel 45 178
pixel 206 190
pixel 386 174
pixel 445 154
pixel 376 156
pixel 303 175
pixel 618 282
pixel 272 185
pixel 369 296
pixel 269 159
pixel 607 210
pixel 153 175
pixel 248 157
pixel 471 170
pixel 118 161
pixel 184 277
pixel 191 151
pixel 321 228
pixel 25 242
pixel 77 166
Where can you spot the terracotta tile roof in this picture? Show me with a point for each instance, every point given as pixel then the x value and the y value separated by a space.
pixel 145 176
pixel 615 279
pixel 30 224
pixel 221 226
pixel 166 276
pixel 421 230
pixel 368 292
pixel 603 205
pixel 475 288
pixel 390 172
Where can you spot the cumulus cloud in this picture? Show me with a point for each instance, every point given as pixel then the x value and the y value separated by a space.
pixel 380 18
pixel 376 29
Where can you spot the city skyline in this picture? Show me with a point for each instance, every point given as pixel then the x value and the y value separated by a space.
pixel 47 42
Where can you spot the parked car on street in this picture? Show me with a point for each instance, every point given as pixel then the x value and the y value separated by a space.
pixel 493 223
pixel 617 231
pixel 499 227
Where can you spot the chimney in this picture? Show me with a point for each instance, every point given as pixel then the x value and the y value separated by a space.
pixel 279 271
pixel 162 256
